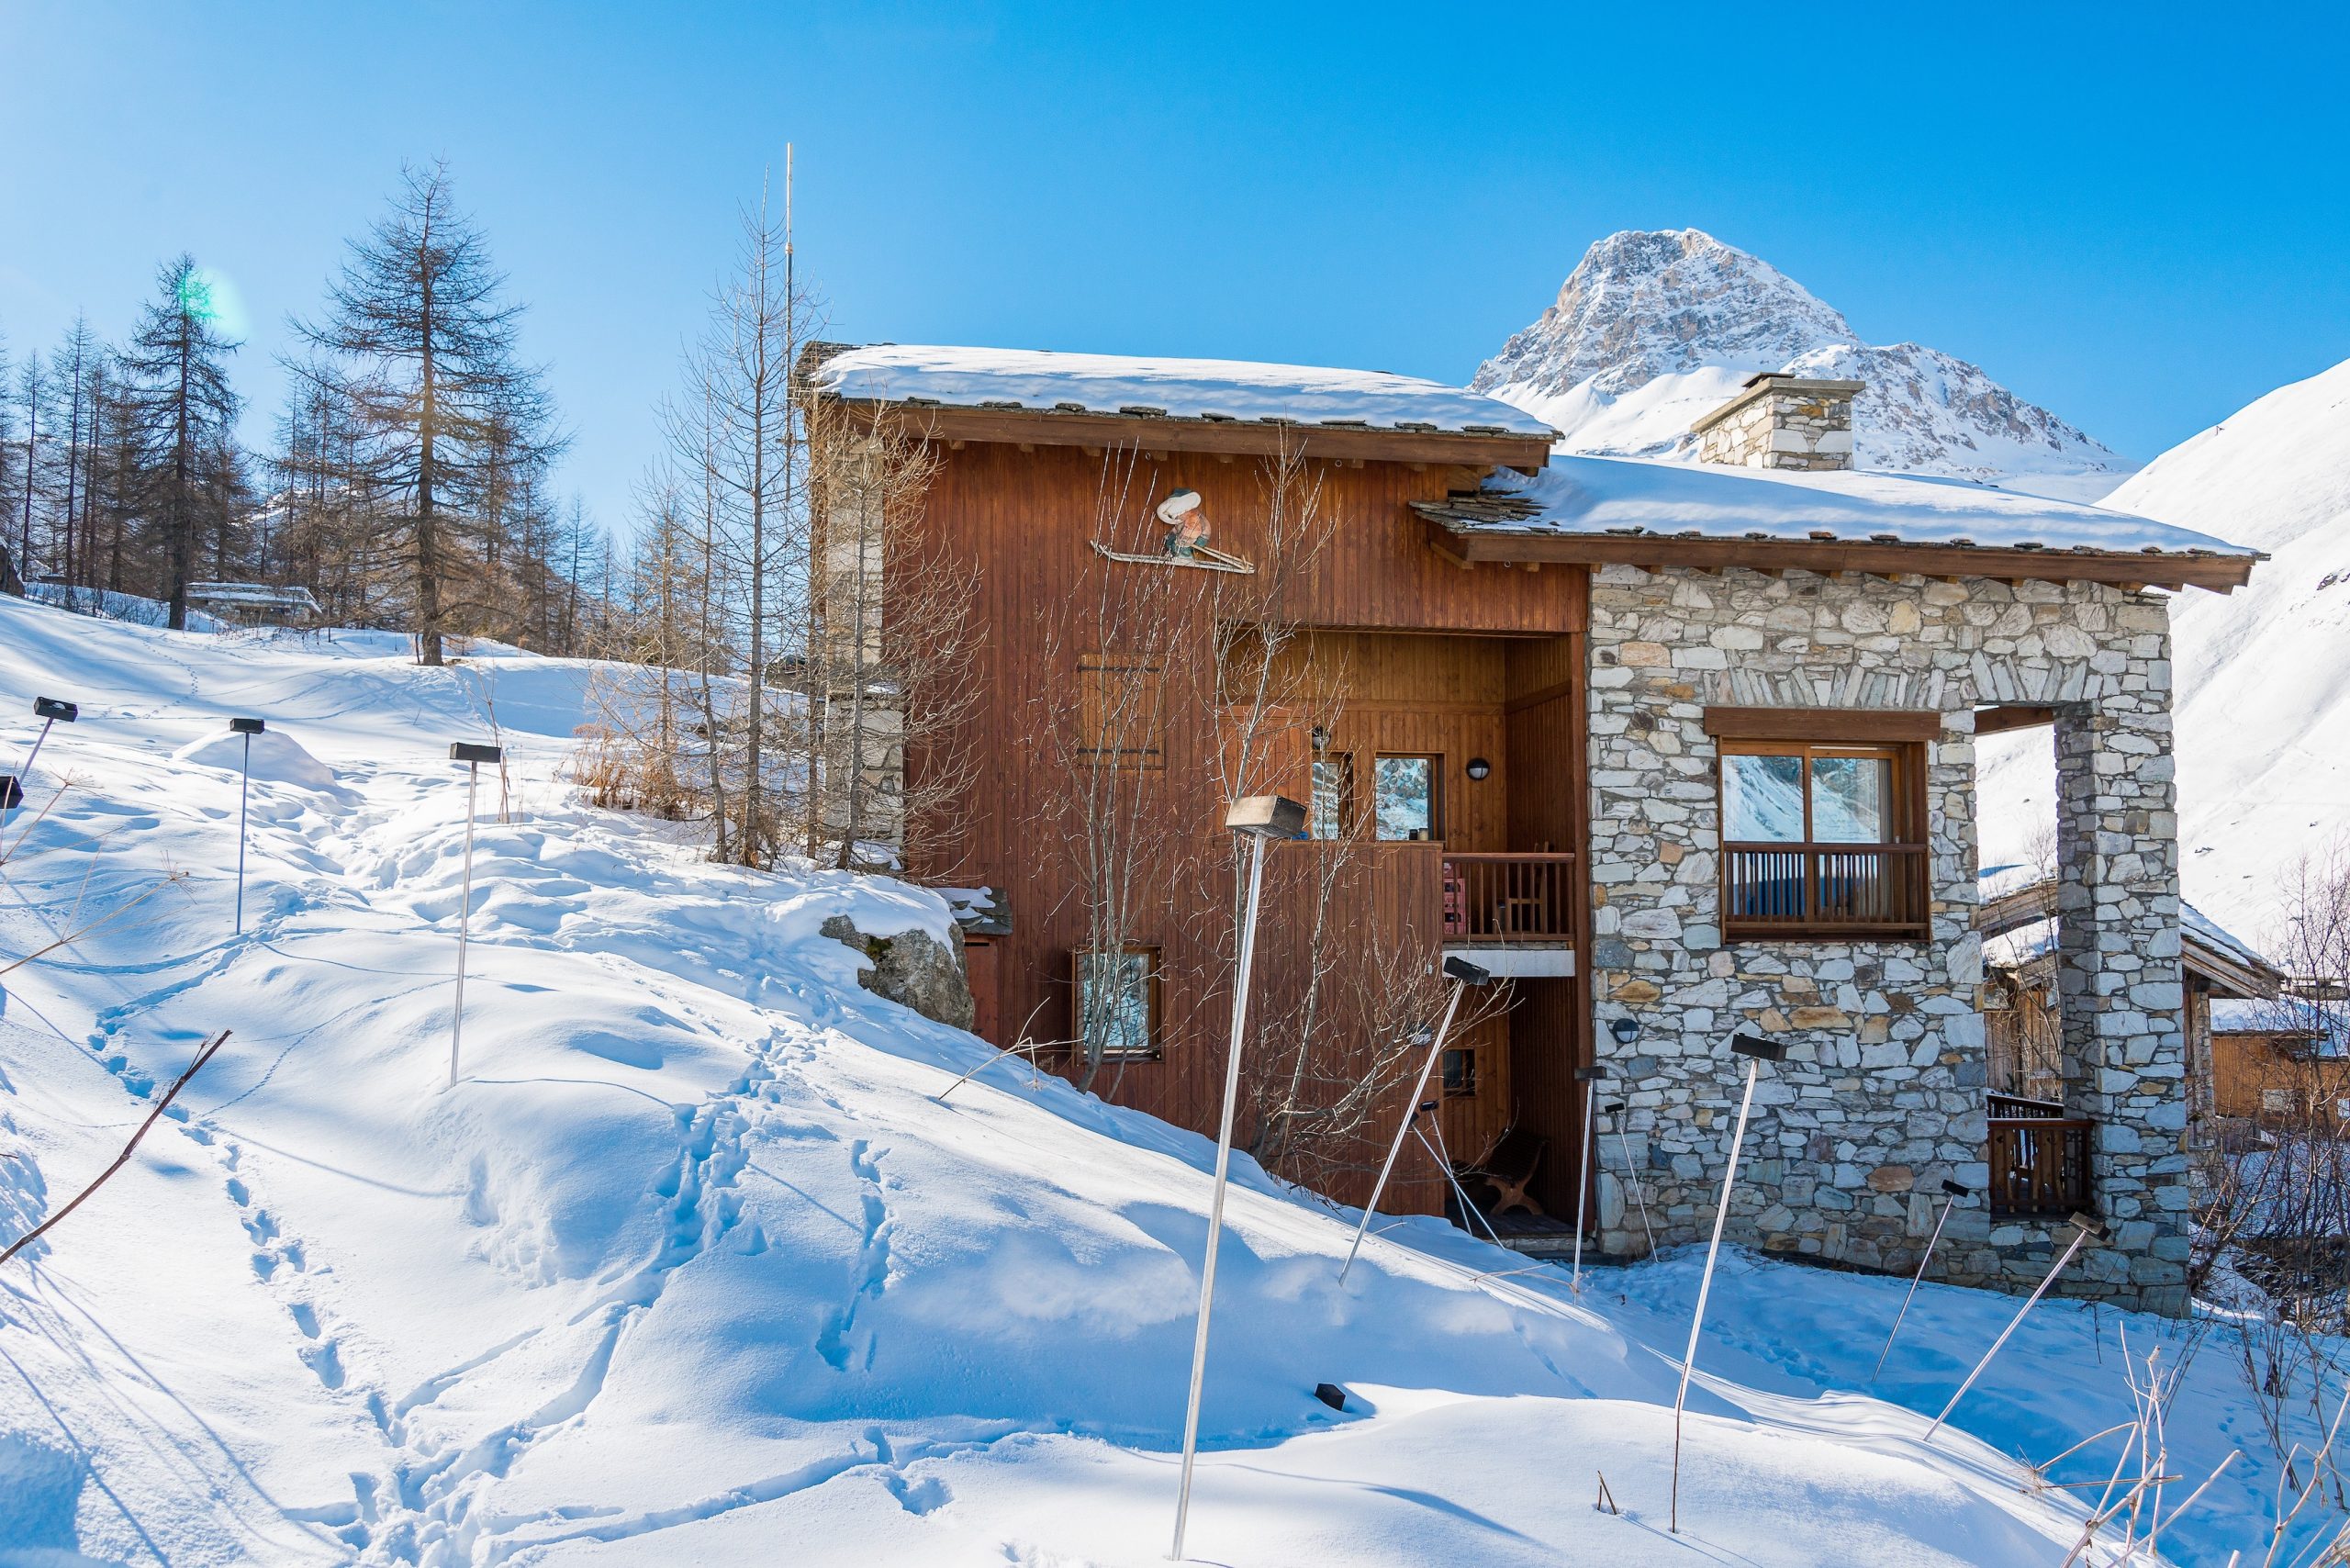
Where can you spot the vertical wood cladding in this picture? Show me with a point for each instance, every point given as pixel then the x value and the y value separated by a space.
pixel 1430 658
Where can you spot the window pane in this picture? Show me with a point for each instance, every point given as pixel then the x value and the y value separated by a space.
pixel 1334 783
pixel 1762 800
pixel 1851 799
pixel 1113 1003
pixel 1460 1072
pixel 1405 802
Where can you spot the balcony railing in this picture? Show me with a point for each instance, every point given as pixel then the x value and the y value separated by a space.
pixel 1526 899
pixel 1825 889
pixel 2039 1165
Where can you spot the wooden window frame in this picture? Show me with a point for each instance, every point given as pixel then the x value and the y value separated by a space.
pixel 1909 846
pixel 1437 802
pixel 1349 795
pixel 1468 1078
pixel 1153 999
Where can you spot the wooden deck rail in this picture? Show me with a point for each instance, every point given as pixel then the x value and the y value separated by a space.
pixel 2039 1165
pixel 2024 1108
pixel 1509 898
pixel 1825 889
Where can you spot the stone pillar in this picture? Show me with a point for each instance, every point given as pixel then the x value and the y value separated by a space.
pixel 2118 969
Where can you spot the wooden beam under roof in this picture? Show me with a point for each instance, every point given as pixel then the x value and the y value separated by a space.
pixel 2220 574
pixel 1045 427
pixel 2011 716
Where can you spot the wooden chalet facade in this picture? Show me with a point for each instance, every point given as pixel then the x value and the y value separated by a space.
pixel 1672 748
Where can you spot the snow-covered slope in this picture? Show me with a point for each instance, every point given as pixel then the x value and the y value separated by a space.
pixel 692 1266
pixel 1652 330
pixel 2263 674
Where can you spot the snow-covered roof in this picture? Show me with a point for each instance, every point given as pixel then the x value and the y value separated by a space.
pixel 1579 494
pixel 1044 381
pixel 2229 946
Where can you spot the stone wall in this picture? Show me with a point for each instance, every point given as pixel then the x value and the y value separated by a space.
pixel 1782 422
pixel 1883 1094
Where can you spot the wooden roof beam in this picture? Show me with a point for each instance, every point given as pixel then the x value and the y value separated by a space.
pixel 2219 574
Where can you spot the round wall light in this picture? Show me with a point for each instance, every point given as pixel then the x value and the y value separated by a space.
pixel 1479 768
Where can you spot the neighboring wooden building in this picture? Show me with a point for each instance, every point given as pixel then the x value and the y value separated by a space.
pixel 1675 748
pixel 2236 1050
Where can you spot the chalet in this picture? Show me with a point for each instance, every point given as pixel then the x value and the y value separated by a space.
pixel 1672 749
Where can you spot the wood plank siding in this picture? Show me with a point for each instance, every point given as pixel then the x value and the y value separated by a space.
pixel 1408 653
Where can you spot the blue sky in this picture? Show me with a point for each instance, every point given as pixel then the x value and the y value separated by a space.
pixel 2142 223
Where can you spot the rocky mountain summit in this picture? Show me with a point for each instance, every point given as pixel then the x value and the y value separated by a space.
pixel 1654 328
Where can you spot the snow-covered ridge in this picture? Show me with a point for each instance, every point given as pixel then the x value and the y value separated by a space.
pixel 1654 329
pixel 2263 675
pixel 1040 379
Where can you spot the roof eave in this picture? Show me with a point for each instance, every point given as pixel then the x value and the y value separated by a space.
pixel 1160 433
pixel 2217 572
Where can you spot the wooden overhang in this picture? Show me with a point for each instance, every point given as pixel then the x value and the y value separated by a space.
pixel 1148 431
pixel 2008 716
pixel 2147 568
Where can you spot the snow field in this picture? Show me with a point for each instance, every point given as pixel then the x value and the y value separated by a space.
pixel 691 1266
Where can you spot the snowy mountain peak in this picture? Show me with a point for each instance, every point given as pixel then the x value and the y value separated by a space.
pixel 1654 327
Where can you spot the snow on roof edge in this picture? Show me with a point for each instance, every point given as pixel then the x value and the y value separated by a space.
pixel 1588 495
pixel 1132 386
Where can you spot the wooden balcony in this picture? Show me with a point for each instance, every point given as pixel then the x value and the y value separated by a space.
pixel 1825 889
pixel 1509 900
pixel 2040 1164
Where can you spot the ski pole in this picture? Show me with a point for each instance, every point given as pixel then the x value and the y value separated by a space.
pixel 1463 974
pixel 1952 1191
pixel 1756 1051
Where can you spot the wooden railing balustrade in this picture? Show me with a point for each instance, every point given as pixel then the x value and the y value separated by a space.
pixel 2040 1164
pixel 2024 1108
pixel 1825 889
pixel 1505 898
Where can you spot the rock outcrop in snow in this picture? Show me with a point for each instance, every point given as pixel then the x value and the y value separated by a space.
pixel 1653 329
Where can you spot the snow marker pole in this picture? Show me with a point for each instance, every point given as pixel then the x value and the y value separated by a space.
pixel 248 728
pixel 1586 1076
pixel 1952 1191
pixel 1756 1051
pixel 1631 1176
pixel 2083 1226
pixel 1258 819
pixel 1463 974
pixel 49 710
pixel 472 756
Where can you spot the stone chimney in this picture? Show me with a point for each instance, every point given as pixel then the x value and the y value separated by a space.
pixel 1781 421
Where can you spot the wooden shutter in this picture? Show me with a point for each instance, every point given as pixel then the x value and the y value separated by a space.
pixel 1121 713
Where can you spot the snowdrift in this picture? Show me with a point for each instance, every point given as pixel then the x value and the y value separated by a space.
pixel 690 1264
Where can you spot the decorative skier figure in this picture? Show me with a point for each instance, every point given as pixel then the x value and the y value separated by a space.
pixel 1186 544
pixel 1186 525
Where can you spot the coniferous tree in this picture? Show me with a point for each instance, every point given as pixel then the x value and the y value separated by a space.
pixel 32 387
pixel 184 414
pixel 10 581
pixel 71 368
pixel 418 348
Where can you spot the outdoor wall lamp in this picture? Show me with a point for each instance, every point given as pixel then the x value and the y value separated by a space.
pixel 1321 737
pixel 1479 768
pixel 1625 1030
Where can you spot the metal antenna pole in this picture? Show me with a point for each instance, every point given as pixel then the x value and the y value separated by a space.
pixel 1951 1192
pixel 2083 1225
pixel 244 788
pixel 1420 1087
pixel 25 783
pixel 1588 1077
pixel 1705 1283
pixel 1216 1202
pixel 1631 1176
pixel 464 922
